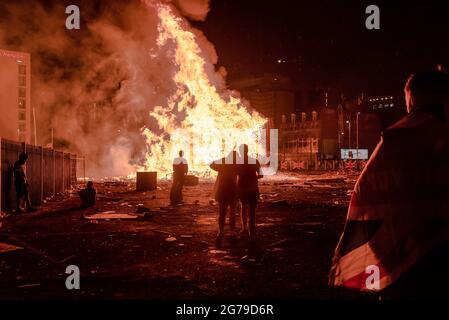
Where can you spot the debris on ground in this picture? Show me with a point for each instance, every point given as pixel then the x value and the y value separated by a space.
pixel 279 202
pixel 30 285
pixel 311 224
pixel 277 249
pixel 274 244
pixel 108 216
pixel 67 259
pixel 191 180
pixel 329 180
pixel 216 251
pixel 290 237
pixel 163 232
pixel 4 247
pixel 142 209
pixel 106 198
pixel 115 184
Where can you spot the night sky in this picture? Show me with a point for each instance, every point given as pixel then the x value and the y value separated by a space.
pixel 326 43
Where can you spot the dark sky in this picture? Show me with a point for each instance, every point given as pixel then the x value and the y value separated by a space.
pixel 326 43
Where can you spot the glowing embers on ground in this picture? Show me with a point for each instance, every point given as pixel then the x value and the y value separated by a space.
pixel 214 120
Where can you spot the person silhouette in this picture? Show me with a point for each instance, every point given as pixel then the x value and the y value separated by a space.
pixel 88 195
pixel 180 170
pixel 248 171
pixel 21 184
pixel 397 226
pixel 226 191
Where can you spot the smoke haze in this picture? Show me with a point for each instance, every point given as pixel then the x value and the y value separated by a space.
pixel 96 86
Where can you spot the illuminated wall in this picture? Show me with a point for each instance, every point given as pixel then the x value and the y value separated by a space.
pixel 15 85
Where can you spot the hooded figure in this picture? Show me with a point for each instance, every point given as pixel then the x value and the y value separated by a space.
pixel 396 234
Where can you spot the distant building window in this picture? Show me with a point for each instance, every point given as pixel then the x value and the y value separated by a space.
pixel 375 107
pixel 22 137
pixel 22 81
pixel 22 93
pixel 22 115
pixel 22 126
pixel 392 105
pixel 381 106
pixel 22 103
pixel 22 69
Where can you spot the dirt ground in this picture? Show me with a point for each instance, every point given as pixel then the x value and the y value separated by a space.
pixel 169 253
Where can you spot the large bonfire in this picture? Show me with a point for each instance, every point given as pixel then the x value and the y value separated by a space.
pixel 214 121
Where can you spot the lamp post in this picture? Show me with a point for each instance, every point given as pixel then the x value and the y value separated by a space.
pixel 357 132
pixel 349 132
pixel 357 137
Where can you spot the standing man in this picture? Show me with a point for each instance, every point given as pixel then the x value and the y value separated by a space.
pixel 396 237
pixel 248 170
pixel 180 170
pixel 226 191
pixel 21 184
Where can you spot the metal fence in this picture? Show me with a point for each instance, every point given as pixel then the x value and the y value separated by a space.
pixel 49 172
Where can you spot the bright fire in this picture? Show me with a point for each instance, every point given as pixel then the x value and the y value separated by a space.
pixel 215 122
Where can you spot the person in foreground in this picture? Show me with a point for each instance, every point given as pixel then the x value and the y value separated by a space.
pixel 396 236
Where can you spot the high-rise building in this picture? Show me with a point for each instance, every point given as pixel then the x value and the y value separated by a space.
pixel 15 96
pixel 271 95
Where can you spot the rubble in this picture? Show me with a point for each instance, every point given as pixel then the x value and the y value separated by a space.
pixel 274 244
pixel 30 285
pixel 184 238
pixel 329 180
pixel 142 209
pixel 279 202
pixel 312 224
pixel 163 232
pixel 4 247
pixel 191 180
pixel 109 216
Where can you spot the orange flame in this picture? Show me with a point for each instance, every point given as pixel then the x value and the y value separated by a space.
pixel 215 121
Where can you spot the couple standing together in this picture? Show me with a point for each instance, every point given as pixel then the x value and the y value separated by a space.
pixel 237 179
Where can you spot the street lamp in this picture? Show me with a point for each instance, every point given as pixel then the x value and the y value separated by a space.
pixel 349 132
pixel 357 132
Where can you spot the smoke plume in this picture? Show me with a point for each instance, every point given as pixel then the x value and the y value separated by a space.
pixel 96 86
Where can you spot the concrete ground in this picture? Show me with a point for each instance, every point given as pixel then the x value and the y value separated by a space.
pixel 170 254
